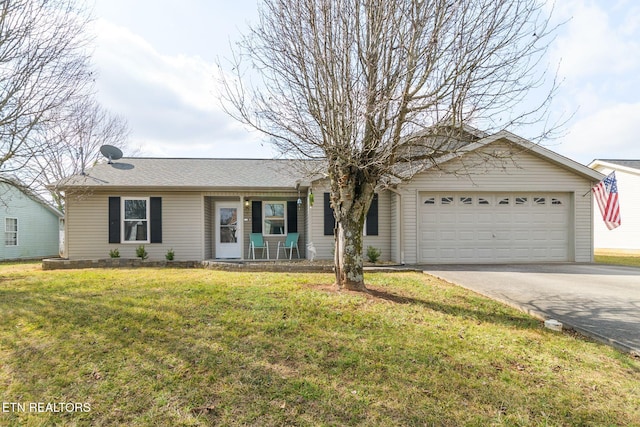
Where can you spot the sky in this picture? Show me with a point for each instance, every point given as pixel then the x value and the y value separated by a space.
pixel 155 63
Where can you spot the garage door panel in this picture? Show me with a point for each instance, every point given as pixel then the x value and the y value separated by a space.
pixel 528 227
pixel 520 235
pixel 484 235
pixel 485 218
pixel 539 235
pixel 449 235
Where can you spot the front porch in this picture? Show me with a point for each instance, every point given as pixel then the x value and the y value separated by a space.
pixel 231 222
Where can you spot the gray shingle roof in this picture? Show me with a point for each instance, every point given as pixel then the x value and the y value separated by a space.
pixel 196 173
pixel 635 164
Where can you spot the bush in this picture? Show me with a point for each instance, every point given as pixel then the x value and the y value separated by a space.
pixel 141 252
pixel 170 255
pixel 114 253
pixel 373 254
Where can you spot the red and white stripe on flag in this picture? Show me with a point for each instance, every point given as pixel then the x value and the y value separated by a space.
pixel 606 194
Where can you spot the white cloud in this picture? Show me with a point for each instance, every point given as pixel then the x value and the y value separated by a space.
pixel 610 133
pixel 169 100
pixel 596 40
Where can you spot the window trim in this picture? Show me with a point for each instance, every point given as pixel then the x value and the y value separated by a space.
pixel 11 231
pixel 284 217
pixel 123 220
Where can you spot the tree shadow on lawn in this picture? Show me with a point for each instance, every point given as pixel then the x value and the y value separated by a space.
pixel 122 358
pixel 482 312
pixel 125 355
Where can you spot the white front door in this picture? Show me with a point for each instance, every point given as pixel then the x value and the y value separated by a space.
pixel 227 230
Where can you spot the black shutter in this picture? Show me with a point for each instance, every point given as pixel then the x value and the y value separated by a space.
pixel 256 217
pixel 114 219
pixel 329 219
pixel 372 217
pixel 155 212
pixel 292 216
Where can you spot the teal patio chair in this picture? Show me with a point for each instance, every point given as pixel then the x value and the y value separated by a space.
pixel 257 242
pixel 290 243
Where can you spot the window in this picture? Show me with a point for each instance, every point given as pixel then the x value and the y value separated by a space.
pixel 483 201
pixel 11 231
pixel 135 220
pixel 430 201
pixel 504 201
pixel 521 200
pixel 555 201
pixel 446 200
pixel 539 200
pixel 466 200
pixel 274 218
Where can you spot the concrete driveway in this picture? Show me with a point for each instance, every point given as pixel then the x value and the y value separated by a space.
pixel 597 300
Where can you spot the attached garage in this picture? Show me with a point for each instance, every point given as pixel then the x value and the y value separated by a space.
pixel 504 200
pixel 478 227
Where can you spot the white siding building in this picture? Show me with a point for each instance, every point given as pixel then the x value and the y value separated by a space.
pixel 627 236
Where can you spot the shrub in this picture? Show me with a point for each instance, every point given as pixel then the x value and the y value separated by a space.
pixel 170 255
pixel 114 253
pixel 373 254
pixel 141 252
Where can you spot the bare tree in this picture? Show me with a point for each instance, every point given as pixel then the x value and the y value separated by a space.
pixel 380 88
pixel 43 67
pixel 73 144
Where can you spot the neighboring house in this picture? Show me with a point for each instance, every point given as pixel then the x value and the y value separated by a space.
pixel 627 236
pixel 31 226
pixel 504 200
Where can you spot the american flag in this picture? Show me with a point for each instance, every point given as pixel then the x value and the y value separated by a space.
pixel 606 194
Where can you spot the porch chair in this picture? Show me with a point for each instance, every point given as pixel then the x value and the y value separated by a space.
pixel 257 242
pixel 290 243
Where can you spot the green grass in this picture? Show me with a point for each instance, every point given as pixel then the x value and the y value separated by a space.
pixel 629 259
pixel 169 347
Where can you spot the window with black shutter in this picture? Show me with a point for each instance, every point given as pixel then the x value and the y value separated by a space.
pixel 256 216
pixel 292 216
pixel 329 219
pixel 155 212
pixel 114 219
pixel 372 217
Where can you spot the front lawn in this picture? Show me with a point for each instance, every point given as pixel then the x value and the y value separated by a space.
pixel 617 258
pixel 170 347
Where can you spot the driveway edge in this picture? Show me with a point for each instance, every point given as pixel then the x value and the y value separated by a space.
pixel 635 352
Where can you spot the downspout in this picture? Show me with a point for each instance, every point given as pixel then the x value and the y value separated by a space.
pixel 241 226
pixel 400 224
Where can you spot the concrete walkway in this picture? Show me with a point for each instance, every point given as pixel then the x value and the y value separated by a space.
pixel 600 301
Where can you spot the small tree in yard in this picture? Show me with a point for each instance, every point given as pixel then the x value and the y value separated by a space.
pixel 382 88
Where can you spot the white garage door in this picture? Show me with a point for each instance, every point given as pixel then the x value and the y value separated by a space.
pixel 494 227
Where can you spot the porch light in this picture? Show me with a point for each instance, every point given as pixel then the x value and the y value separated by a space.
pixel 246 203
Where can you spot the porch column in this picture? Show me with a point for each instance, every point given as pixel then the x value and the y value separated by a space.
pixel 241 227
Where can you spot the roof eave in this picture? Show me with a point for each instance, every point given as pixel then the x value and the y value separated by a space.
pixel 597 162
pixel 541 151
pixel 173 188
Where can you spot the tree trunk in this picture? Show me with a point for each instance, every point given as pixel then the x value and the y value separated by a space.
pixel 348 255
pixel 350 202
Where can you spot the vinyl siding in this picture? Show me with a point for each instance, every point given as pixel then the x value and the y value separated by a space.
pixel 38 227
pixel 324 244
pixel 182 226
pixel 524 171
pixel 627 236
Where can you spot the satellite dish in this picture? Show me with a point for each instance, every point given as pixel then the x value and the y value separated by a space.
pixel 111 152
